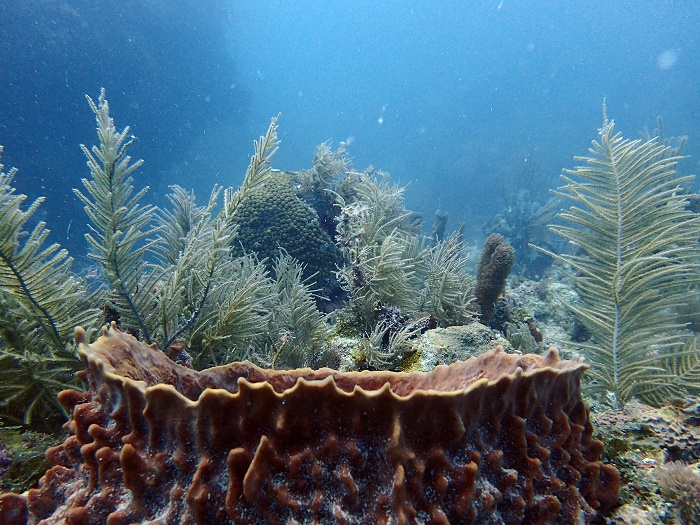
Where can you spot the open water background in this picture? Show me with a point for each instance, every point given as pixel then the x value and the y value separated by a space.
pixel 448 97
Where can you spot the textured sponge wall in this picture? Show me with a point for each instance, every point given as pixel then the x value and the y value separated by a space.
pixel 496 439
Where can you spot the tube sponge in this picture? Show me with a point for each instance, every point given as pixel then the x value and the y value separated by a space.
pixel 491 274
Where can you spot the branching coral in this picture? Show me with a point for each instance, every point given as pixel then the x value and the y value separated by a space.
pixel 391 264
pixel 381 246
pixel 235 316
pixel 182 298
pixel 175 224
pixel 449 289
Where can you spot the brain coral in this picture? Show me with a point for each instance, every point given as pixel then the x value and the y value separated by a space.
pixel 498 439
pixel 273 217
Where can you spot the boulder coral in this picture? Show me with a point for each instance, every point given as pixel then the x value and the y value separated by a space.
pixel 499 438
pixel 271 217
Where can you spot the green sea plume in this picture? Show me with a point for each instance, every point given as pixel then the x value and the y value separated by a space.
pixel 121 227
pixel 41 302
pixel 636 258
pixel 172 275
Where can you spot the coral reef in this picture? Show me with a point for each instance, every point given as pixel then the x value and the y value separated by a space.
pixel 498 439
pixel 272 217
pixel 202 282
pixel 680 484
pixel 645 444
pixel 491 275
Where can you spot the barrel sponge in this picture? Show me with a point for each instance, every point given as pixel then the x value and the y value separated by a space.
pixel 499 438
pixel 271 217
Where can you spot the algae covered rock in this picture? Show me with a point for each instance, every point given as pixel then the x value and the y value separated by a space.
pixel 22 459
pixel 457 343
pixel 653 448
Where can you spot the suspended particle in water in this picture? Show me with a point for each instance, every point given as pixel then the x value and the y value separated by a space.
pixel 666 59
pixel 380 120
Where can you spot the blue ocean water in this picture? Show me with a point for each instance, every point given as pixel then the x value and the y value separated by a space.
pixel 448 97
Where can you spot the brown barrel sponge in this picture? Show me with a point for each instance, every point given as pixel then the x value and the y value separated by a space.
pixel 496 439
